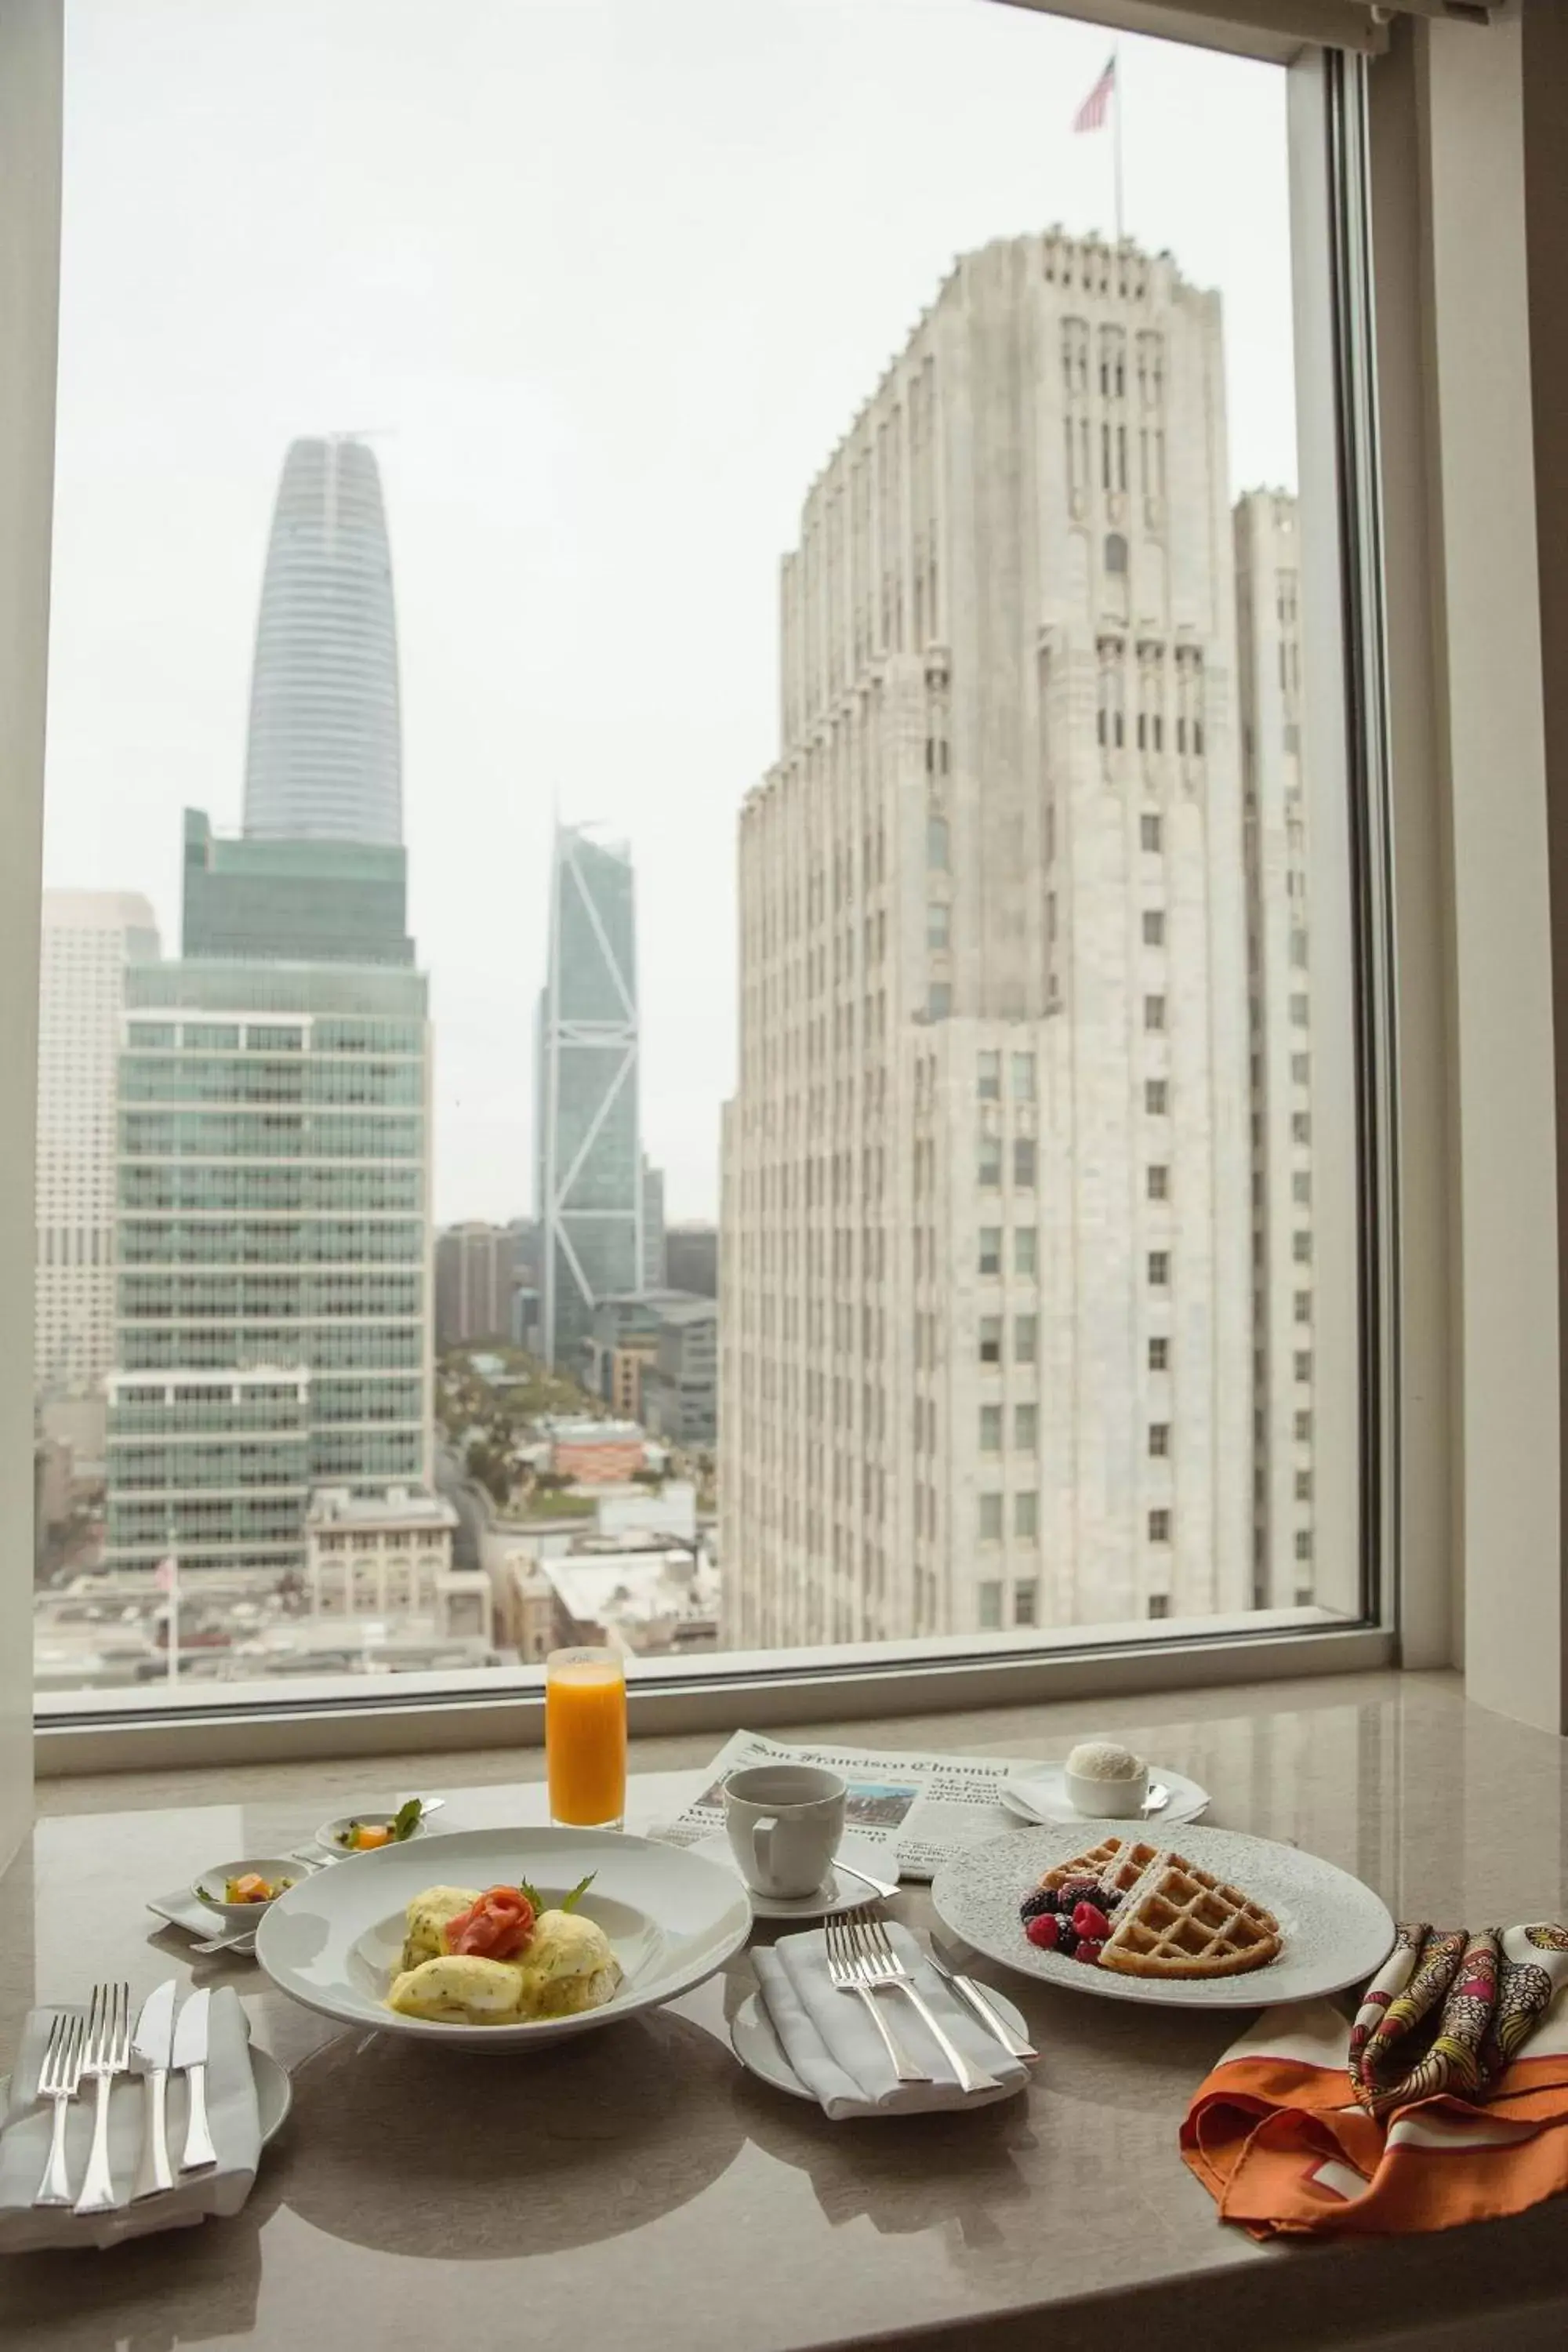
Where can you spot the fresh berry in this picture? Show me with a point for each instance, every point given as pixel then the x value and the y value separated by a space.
pixel 1043 1929
pixel 1079 1890
pixel 1090 1920
pixel 1107 1897
pixel 1090 1948
pixel 1036 1905
pixel 1067 1938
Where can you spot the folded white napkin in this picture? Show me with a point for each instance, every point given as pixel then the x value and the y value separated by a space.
pixel 836 2050
pixel 232 2117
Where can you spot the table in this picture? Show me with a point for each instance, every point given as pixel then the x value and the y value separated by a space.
pixel 635 2188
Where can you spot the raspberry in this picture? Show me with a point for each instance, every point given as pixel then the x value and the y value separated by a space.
pixel 1043 1929
pixel 1088 1949
pixel 1034 1906
pixel 1088 1920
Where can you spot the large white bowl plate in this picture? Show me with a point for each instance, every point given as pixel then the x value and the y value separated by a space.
pixel 1336 1931
pixel 335 1940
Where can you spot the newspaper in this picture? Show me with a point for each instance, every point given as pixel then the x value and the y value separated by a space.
pixel 921 1808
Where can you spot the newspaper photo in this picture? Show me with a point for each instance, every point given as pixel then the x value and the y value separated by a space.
pixel 923 1808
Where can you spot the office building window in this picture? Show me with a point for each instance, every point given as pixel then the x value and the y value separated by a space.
pixel 1024 1161
pixel 1025 1251
pixel 1159 1439
pixel 1160 1525
pixel 991 1518
pixel 988 1597
pixel 1159 1355
pixel 990 1429
pixel 1159 1269
pixel 1027 1514
pixel 988 1160
pixel 1157 1096
pixel 1158 1185
pixel 1149 832
pixel 1025 1600
pixel 1153 928
pixel 1154 1012
pixel 988 1077
pixel 1025 1427
pixel 1159 1604
pixel 1025 1329
pixel 991 1338
pixel 1023 1077
pixel 989 1256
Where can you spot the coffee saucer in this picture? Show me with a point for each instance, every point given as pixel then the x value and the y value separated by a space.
pixel 839 1893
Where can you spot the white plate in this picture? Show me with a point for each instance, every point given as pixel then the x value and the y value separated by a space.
pixel 334 1941
pixel 1036 1795
pixel 841 1894
pixel 1336 1931
pixel 274 2093
pixel 760 2051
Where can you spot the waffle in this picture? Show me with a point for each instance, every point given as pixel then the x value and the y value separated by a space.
pixel 1174 1919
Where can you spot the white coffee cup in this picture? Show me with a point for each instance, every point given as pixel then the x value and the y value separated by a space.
pixel 784 1822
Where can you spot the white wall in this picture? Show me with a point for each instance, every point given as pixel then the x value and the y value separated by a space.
pixel 30 51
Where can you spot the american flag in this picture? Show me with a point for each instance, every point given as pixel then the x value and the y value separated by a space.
pixel 1091 114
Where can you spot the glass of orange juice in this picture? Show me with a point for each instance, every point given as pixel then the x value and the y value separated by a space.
pixel 586 1739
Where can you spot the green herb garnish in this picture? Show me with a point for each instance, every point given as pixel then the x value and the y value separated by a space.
pixel 406 1819
pixel 567 1902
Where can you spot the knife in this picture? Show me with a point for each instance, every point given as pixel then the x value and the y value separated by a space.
pixel 974 2001
pixel 191 2057
pixel 152 2044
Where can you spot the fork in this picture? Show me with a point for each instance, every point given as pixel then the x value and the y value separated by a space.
pixel 843 1968
pixel 59 2079
pixel 882 1964
pixel 108 2055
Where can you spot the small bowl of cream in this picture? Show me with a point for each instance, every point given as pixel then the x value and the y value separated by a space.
pixel 1106 1781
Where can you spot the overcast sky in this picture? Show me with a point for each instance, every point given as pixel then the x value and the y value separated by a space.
pixel 606 280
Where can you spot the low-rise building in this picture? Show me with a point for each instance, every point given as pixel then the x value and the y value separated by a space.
pixel 643 1598
pixel 596 1452
pixel 389 1557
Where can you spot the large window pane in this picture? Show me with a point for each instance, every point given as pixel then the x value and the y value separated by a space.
pixel 666 929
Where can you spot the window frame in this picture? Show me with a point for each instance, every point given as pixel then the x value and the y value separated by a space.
pixel 78 1731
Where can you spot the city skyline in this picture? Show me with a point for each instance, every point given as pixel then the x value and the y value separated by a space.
pixel 525 524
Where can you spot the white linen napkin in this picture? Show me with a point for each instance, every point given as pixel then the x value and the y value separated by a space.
pixel 836 2050
pixel 232 2116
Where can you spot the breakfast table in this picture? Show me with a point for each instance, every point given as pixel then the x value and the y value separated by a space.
pixel 637 2187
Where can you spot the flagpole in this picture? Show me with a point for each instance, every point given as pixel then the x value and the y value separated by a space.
pixel 1116 128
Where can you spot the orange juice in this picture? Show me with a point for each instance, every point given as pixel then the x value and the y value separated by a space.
pixel 585 1738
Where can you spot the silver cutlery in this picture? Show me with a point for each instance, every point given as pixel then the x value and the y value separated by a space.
pixel 58 2079
pixel 153 2043
pixel 882 1966
pixel 974 2001
pixel 843 1968
pixel 108 2055
pixel 877 1885
pixel 1158 1797
pixel 244 1943
pixel 190 2060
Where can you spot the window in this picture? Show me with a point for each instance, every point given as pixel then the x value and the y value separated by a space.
pixel 1301 1188
pixel 1303 1307
pixel 1025 1600
pixel 1159 1439
pixel 991 1518
pixel 1303 1485
pixel 328 1162
pixel 1300 1126
pixel 1303 1364
pixel 1303 1429
pixel 1303 1543
pixel 989 1603
pixel 1159 1604
pixel 1160 1525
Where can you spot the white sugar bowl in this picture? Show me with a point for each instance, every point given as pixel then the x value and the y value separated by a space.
pixel 1106 1781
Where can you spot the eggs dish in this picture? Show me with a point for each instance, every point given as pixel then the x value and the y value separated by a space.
pixel 500 1957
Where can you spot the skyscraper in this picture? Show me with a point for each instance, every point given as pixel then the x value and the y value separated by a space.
pixel 985 1283
pixel 475 1269
pixel 1279 914
pixel 90 937
pixel 294 901
pixel 274 1326
pixel 325 758
pixel 590 1149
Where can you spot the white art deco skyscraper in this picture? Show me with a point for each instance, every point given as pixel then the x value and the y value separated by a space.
pixel 987 1283
pixel 325 757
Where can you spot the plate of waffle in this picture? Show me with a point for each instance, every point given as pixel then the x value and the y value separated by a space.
pixel 1196 1918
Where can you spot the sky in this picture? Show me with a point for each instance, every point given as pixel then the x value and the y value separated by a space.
pixel 605 282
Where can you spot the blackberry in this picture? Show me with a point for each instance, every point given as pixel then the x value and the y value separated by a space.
pixel 1034 1906
pixel 1066 1940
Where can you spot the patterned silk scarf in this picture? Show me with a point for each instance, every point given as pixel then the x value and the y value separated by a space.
pixel 1451 2008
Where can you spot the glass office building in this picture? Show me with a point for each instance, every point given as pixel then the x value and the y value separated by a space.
pixel 589 1157
pixel 273 1278
pixel 325 756
pixel 294 901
